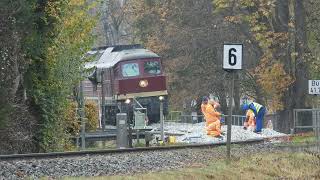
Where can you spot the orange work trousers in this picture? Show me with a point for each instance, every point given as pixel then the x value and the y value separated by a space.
pixel 251 124
pixel 214 128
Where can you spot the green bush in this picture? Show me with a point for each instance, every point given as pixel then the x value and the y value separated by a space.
pixel 73 121
pixel 92 115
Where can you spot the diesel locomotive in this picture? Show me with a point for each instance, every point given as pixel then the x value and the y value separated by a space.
pixel 126 72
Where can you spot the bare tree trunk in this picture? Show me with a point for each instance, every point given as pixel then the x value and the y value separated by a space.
pixel 301 71
pixel 294 64
pixel 280 23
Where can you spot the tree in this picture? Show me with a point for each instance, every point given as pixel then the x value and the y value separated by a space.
pixel 113 20
pixel 313 33
pixel 16 121
pixel 189 36
pixel 279 28
pixel 57 50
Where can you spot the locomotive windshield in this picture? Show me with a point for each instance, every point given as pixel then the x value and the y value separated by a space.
pixel 130 70
pixel 152 67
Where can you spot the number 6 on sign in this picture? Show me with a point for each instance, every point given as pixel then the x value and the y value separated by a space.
pixel 232 56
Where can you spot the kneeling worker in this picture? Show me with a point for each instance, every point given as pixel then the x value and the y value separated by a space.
pixel 213 119
pixel 250 122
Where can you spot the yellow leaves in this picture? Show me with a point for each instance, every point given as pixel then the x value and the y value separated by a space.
pixel 270 73
pixel 233 19
pixel 92 114
pixel 163 13
pixel 294 54
pixel 259 27
pixel 291 24
pixel 76 2
pixel 70 37
pixel 155 44
pixel 247 3
pixel 275 82
pixel 221 4
pixel 268 39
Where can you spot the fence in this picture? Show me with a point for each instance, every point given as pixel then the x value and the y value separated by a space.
pixel 190 127
pixel 193 118
pixel 307 120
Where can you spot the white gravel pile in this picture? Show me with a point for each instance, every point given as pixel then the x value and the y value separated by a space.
pixel 195 133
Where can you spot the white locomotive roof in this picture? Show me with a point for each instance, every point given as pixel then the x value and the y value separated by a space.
pixel 108 58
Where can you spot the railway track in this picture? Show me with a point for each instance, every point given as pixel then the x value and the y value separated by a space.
pixel 114 151
pixel 123 161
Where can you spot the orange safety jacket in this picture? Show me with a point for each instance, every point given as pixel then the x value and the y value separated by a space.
pixel 203 108
pixel 211 114
pixel 251 121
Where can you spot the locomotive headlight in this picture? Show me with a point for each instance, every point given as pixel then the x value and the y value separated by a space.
pixel 161 98
pixel 127 101
pixel 143 83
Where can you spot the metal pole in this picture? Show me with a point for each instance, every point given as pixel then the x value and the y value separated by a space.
pixel 318 130
pixel 77 141
pixel 161 121
pixel 318 133
pixel 129 124
pixel 230 119
pixel 81 108
pixel 122 131
pixel 103 110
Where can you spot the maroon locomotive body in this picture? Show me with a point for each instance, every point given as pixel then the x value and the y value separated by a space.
pixel 126 72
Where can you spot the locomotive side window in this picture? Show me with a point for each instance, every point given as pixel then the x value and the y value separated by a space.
pixel 130 70
pixel 117 71
pixel 152 67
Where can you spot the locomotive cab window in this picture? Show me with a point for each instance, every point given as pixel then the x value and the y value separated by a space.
pixel 152 67
pixel 130 70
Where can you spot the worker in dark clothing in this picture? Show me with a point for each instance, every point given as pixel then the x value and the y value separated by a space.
pixel 259 112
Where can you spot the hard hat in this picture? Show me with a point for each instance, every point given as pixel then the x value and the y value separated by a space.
pixel 245 107
pixel 211 101
pixel 205 99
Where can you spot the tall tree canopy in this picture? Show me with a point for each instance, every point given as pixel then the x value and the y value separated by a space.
pixel 42 44
pixel 188 36
pixel 279 28
pixel 276 35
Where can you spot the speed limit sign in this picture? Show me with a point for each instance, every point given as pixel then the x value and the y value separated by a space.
pixel 232 56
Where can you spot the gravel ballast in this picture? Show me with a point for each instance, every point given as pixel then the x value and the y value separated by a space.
pixel 122 163
pixel 146 161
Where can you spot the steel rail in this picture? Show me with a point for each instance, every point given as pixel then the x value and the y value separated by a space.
pixel 126 150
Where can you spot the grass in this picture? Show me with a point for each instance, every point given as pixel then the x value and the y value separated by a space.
pixel 259 166
pixel 304 138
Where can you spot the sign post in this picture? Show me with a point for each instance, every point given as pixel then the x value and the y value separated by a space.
pixel 314 87
pixel 232 60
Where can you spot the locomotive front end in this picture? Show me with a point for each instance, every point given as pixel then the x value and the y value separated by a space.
pixel 126 72
pixel 144 81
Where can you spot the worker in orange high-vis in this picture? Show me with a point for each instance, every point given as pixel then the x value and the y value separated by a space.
pixel 204 104
pixel 250 122
pixel 213 119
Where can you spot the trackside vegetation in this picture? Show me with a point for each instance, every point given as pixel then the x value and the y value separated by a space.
pixel 282 165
